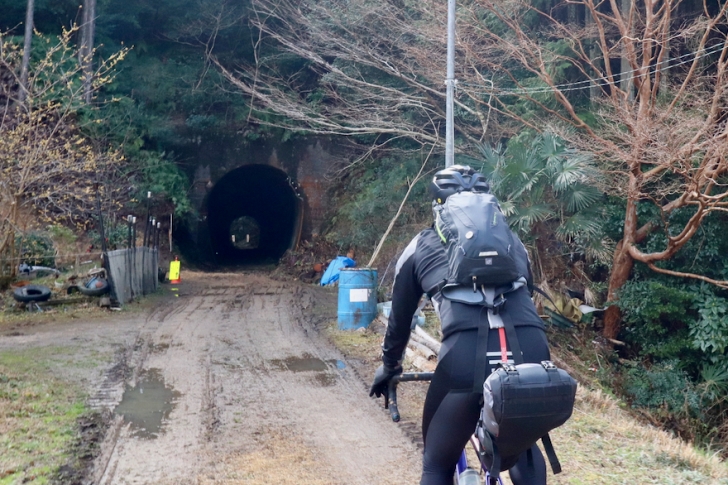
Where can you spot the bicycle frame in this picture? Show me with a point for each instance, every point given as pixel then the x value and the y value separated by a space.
pixel 390 402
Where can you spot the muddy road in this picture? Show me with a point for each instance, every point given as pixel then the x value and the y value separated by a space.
pixel 240 388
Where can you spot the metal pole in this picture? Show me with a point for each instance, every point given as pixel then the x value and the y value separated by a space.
pixel 101 221
pixel 105 254
pixel 146 222
pixel 151 234
pixel 450 82
pixel 129 260
pixel 132 293
pixel 128 227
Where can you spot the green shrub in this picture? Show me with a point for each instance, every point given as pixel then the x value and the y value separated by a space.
pixel 710 331
pixel 370 200
pixel 657 321
pixel 61 234
pixel 665 390
pixel 117 236
pixel 35 249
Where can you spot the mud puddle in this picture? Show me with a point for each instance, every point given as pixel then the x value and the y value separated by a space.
pixel 324 369
pixel 307 363
pixel 147 405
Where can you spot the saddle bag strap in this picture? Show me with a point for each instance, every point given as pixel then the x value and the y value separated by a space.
pixel 551 453
pixel 495 466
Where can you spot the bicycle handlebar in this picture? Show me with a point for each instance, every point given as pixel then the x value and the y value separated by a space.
pixel 390 399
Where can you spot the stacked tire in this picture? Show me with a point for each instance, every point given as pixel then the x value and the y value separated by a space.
pixel 95 287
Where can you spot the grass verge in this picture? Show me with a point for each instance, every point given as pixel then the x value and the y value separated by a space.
pixel 602 443
pixel 38 418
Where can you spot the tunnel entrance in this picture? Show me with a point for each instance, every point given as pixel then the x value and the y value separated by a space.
pixel 253 215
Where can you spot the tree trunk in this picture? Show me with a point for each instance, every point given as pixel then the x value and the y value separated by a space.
pixel 87 47
pixel 594 91
pixel 25 66
pixel 623 261
pixel 13 224
pixel 621 268
pixel 625 77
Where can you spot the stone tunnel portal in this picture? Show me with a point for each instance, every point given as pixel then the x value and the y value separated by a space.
pixel 253 215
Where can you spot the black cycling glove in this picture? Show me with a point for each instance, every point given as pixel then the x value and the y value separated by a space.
pixel 382 377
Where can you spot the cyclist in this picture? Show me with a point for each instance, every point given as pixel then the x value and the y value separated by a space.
pixel 452 407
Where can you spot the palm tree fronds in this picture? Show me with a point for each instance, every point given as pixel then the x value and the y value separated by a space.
pixel 579 197
pixel 579 225
pixel 525 217
pixel 571 171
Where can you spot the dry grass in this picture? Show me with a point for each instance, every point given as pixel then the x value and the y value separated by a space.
pixel 602 442
pixel 263 466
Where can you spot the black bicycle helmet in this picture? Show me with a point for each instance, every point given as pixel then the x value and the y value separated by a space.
pixel 454 179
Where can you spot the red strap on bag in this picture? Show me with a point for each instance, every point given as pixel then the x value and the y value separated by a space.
pixel 504 350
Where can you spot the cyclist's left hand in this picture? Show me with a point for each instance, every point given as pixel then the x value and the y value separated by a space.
pixel 382 377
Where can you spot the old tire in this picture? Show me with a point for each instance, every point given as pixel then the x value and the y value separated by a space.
pixel 100 287
pixel 32 293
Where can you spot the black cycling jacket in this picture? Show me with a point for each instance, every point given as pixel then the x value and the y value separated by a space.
pixel 421 269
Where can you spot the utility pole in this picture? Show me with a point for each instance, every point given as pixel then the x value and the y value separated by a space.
pixel 450 82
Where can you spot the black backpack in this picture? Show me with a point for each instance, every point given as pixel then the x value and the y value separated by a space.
pixel 482 250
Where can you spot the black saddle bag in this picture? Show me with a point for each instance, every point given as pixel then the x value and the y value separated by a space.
pixel 522 403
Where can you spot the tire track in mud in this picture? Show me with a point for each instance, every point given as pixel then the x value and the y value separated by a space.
pixel 231 352
pixel 128 364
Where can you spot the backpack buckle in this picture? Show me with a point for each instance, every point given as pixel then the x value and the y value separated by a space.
pixel 498 304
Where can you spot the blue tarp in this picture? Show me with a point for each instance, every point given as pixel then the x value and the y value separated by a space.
pixel 332 272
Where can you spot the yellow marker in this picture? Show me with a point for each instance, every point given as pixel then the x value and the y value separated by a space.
pixel 174 267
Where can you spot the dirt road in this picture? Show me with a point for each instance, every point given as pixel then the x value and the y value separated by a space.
pixel 247 390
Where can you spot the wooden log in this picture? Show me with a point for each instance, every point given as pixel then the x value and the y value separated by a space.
pixel 431 341
pixel 420 362
pixel 427 352
pixel 67 301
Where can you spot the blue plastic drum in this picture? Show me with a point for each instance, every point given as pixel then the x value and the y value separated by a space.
pixel 357 297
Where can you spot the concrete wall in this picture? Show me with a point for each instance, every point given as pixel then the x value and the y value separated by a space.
pixel 307 163
pixel 133 272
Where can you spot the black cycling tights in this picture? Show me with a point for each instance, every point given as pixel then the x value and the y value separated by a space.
pixel 452 408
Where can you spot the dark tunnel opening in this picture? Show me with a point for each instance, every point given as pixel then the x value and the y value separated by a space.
pixel 253 215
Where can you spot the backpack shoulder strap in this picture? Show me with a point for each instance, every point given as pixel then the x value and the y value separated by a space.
pixel 481 351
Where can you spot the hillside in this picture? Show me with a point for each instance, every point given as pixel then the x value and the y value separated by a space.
pixel 604 441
